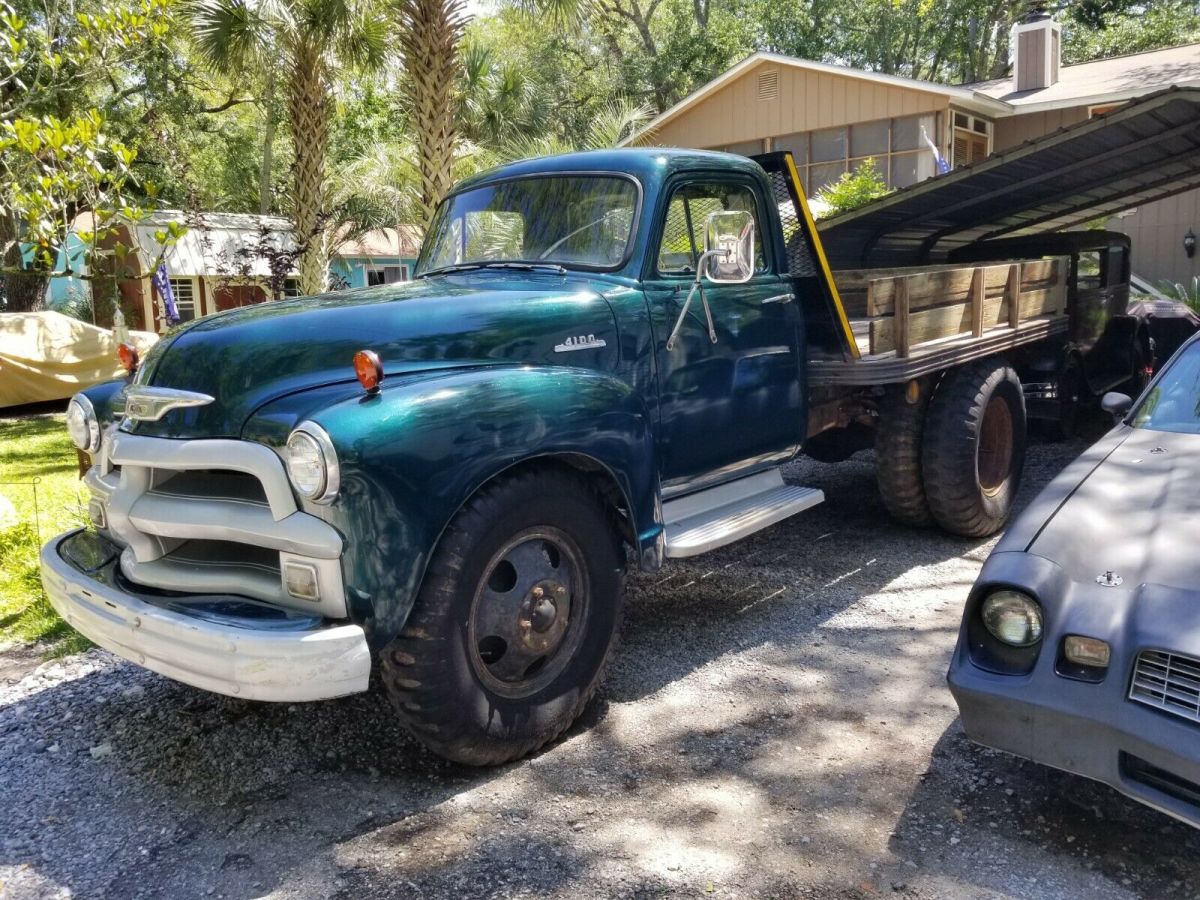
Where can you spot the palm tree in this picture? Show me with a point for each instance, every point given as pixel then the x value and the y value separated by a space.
pixel 308 42
pixel 430 34
pixel 611 125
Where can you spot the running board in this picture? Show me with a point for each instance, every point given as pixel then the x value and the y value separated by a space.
pixel 729 512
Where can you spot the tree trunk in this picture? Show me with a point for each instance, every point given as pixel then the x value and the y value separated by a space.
pixel 24 289
pixel 268 145
pixel 308 119
pixel 431 31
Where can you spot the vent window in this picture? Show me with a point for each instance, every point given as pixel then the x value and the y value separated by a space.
pixel 768 85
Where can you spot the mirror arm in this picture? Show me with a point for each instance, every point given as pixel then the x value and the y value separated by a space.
pixel 697 285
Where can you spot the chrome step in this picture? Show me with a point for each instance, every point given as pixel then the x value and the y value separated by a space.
pixel 718 516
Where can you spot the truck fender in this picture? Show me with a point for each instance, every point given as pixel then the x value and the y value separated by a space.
pixel 414 453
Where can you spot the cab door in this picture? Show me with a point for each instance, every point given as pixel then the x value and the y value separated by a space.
pixel 736 405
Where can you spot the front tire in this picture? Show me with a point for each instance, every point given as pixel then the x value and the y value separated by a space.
pixel 974 448
pixel 515 621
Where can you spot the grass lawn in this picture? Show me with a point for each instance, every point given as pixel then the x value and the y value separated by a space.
pixel 35 447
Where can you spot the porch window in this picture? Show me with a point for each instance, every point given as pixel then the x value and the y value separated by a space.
pixel 900 152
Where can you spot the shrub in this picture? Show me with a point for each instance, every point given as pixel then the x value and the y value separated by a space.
pixel 853 189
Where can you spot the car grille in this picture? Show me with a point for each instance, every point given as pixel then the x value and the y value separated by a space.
pixel 1167 681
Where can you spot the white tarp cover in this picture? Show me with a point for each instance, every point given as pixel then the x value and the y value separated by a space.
pixel 49 356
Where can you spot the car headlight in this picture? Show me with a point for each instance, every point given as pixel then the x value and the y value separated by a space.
pixel 1013 618
pixel 82 424
pixel 312 463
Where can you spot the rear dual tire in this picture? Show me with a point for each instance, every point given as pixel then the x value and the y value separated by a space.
pixel 954 456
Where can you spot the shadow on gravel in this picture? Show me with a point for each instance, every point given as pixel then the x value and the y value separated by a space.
pixel 988 798
pixel 123 784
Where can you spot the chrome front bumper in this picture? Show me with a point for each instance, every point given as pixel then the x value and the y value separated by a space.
pixel 287 660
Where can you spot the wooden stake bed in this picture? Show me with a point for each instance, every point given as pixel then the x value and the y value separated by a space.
pixel 910 322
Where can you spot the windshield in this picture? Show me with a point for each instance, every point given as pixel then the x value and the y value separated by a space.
pixel 1173 404
pixel 579 221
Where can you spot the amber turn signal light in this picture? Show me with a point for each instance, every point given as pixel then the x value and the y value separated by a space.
pixel 369 370
pixel 1087 651
pixel 128 355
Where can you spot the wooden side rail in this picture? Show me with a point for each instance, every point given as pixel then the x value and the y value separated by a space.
pixel 906 308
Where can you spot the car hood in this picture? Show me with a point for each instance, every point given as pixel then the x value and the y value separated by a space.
pixel 1136 514
pixel 253 355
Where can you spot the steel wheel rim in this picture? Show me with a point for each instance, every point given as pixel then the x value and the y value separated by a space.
pixel 527 613
pixel 993 457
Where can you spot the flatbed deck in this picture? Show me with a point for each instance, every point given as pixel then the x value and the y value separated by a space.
pixel 914 321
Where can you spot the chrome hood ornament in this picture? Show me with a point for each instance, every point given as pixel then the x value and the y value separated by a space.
pixel 149 404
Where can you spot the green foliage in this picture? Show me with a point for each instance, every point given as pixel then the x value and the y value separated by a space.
pixel 853 189
pixel 35 447
pixel 1114 28
pixel 59 154
pixel 1186 292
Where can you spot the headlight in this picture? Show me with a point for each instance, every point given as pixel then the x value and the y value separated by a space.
pixel 1013 618
pixel 82 424
pixel 312 463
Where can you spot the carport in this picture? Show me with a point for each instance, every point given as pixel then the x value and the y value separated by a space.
pixel 1142 152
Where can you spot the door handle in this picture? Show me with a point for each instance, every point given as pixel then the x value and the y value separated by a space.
pixel 779 298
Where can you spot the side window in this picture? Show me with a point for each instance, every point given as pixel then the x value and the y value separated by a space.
pixel 688 210
pixel 1087 272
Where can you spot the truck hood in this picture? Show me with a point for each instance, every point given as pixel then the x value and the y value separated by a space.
pixel 253 355
pixel 1136 514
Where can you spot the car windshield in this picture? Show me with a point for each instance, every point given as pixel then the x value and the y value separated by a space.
pixel 1173 404
pixel 574 221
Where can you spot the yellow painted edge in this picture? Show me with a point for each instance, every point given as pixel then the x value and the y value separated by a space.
pixel 847 332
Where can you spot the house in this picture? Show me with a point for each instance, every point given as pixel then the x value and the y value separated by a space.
pixel 833 117
pixel 382 256
pixel 221 261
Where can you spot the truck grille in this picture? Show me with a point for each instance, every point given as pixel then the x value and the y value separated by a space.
pixel 1167 681
pixel 212 517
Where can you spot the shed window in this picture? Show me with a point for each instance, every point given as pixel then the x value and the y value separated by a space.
pixel 184 292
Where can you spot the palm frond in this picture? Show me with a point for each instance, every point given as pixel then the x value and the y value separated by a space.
pixel 230 35
pixel 617 121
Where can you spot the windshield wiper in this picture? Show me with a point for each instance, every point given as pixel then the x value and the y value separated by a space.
pixel 457 267
pixel 523 266
pixel 529 267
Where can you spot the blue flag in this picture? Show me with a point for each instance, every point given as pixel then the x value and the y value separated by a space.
pixel 163 285
pixel 938 160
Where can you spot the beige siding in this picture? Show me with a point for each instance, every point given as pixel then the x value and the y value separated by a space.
pixel 806 101
pixel 1157 231
pixel 1017 129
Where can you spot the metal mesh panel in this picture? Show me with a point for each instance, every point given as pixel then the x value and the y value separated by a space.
pixel 799 257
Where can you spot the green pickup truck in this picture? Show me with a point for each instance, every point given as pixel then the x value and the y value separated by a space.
pixel 604 359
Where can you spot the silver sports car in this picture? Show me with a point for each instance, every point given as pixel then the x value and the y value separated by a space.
pixel 1080 642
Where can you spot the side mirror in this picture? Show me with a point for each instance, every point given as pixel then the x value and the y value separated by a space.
pixel 1117 404
pixel 728 247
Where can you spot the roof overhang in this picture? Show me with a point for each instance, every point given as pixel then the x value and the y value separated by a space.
pixel 1145 151
pixel 963 97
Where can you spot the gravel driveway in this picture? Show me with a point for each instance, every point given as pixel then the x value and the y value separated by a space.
pixel 775 723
